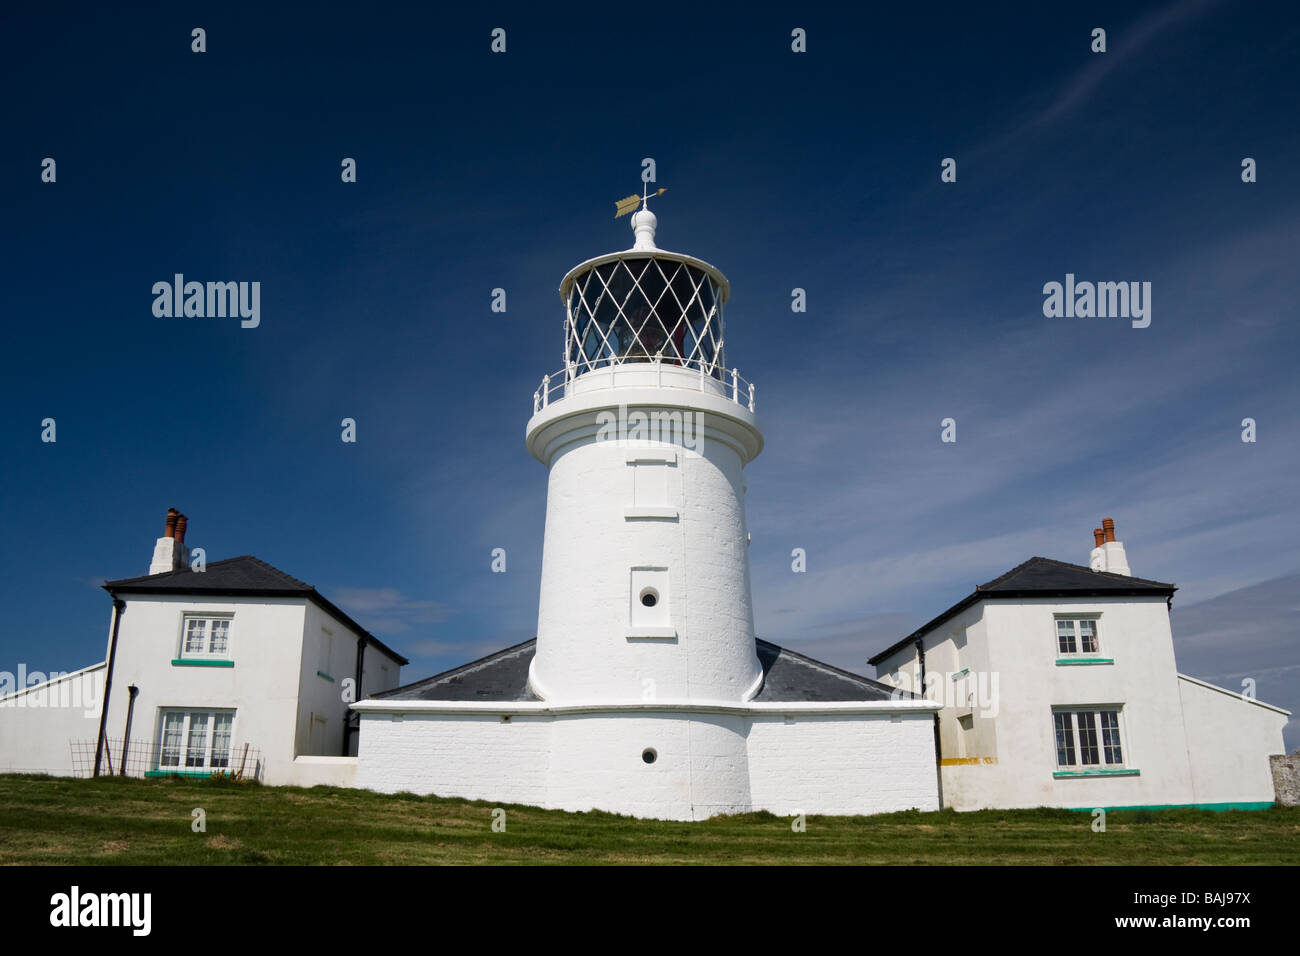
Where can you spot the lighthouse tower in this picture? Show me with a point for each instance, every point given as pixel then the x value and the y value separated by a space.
pixel 646 691
pixel 645 431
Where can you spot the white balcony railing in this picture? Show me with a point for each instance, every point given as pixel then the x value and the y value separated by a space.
pixel 694 376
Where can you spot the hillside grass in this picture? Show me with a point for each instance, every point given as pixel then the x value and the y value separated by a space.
pixel 55 820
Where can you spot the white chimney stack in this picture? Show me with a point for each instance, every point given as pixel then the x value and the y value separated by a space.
pixel 1097 560
pixel 170 553
pixel 1108 555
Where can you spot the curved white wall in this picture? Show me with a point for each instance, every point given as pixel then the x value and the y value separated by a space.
pixel 623 514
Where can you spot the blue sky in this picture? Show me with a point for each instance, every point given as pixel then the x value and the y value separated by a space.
pixel 818 170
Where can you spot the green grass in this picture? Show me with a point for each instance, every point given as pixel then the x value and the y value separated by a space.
pixel 125 821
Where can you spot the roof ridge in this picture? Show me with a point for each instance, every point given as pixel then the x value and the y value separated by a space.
pixel 1113 575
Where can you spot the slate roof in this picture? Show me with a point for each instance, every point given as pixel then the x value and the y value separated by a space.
pixel 244 576
pixel 503 677
pixel 1043 577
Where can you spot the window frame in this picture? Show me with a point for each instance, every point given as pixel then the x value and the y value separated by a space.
pixel 1076 744
pixel 182 749
pixel 206 654
pixel 1076 632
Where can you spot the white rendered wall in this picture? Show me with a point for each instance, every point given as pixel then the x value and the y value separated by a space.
pixel 1143 683
pixel 262 687
pixel 272 687
pixel 589 646
pixel 38 724
pixel 1008 758
pixel 706 764
pixel 323 771
pixel 1229 740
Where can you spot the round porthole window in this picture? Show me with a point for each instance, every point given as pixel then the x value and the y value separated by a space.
pixel 649 598
pixel 649 755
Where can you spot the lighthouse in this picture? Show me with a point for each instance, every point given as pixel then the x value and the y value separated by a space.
pixel 646 690
pixel 645 430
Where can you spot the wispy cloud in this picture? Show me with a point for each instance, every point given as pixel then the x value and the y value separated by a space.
pixel 388 610
pixel 1123 46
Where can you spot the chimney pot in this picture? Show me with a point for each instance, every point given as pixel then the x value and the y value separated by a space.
pixel 169 531
pixel 181 522
pixel 1098 536
pixel 1108 526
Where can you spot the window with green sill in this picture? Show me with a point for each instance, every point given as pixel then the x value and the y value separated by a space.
pixel 205 637
pixel 1088 739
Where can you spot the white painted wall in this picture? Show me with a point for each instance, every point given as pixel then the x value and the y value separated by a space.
pixel 1143 682
pixel 324 771
pixel 266 636
pixel 1229 740
pixel 843 765
pixel 1189 745
pixel 273 687
pixel 38 724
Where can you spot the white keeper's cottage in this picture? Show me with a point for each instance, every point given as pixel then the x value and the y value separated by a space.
pixel 1059 689
pixel 238 667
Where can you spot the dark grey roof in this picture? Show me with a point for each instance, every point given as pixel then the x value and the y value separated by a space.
pixel 1044 574
pixel 1043 577
pixel 244 575
pixel 503 677
pixel 788 676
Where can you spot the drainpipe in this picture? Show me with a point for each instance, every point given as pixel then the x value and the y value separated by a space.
pixel 938 746
pixel 119 608
pixel 348 728
pixel 126 736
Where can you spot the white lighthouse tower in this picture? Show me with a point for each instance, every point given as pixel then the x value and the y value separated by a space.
pixel 646 691
pixel 645 430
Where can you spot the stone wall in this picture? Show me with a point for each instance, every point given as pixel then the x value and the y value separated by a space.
pixel 1286 778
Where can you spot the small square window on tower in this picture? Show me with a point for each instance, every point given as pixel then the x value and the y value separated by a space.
pixel 648 607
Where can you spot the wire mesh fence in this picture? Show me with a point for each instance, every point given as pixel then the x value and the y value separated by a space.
pixel 146 758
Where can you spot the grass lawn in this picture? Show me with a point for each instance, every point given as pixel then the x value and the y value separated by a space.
pixel 126 821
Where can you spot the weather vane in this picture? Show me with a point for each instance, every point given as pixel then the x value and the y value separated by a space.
pixel 629 203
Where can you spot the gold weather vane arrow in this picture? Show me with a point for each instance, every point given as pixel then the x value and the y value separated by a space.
pixel 629 203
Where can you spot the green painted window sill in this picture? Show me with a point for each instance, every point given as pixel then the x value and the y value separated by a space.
pixel 1078 661
pixel 183 773
pixel 1100 772
pixel 961 673
pixel 324 675
pixel 200 662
